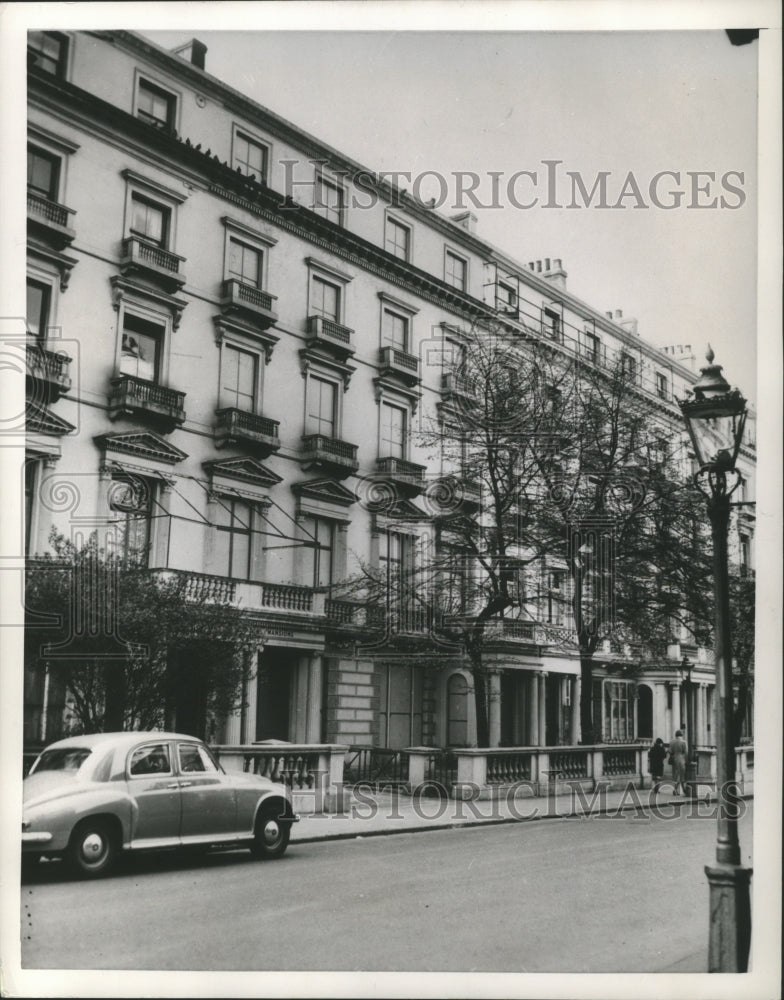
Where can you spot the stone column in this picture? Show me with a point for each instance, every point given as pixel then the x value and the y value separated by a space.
pixel 494 708
pixel 677 710
pixel 699 729
pixel 314 695
pixel 660 728
pixel 574 734
pixel 233 730
pixel 252 695
pixel 533 710
pixel 635 706
pixel 543 709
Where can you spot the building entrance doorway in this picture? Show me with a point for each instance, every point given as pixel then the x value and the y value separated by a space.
pixel 276 667
pixel 457 711
pixel 644 712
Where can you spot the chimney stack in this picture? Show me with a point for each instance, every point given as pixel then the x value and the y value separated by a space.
pixel 467 220
pixel 553 270
pixel 193 51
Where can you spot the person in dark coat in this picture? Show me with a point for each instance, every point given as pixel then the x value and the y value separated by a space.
pixel 679 752
pixel 656 757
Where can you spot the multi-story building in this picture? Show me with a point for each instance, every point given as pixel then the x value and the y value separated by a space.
pixel 234 331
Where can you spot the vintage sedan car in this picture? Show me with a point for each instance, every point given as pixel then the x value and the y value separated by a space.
pixel 88 798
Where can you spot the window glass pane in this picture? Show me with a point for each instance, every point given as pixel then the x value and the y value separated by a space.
pixel 240 556
pixel 455 271
pixel 395 330
pixel 155 105
pixel 239 379
pixel 329 200
pixel 151 760
pixel 221 550
pixel 148 220
pixel 397 240
pixel 37 309
pixel 47 50
pixel 42 171
pixel 190 758
pixel 321 407
pixel 245 263
pixel 393 422
pixel 139 350
pixel 250 157
pixel 326 299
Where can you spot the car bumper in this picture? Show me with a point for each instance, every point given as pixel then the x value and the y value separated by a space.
pixel 36 839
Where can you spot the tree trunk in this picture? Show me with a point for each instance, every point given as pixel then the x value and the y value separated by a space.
pixel 587 734
pixel 114 693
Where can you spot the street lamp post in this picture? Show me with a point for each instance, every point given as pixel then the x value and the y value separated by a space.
pixel 715 416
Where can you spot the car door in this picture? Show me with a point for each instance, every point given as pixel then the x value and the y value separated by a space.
pixel 208 798
pixel 155 790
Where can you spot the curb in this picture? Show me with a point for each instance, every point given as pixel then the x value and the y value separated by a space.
pixel 679 801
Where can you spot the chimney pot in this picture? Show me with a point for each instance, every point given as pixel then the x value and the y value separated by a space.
pixel 618 313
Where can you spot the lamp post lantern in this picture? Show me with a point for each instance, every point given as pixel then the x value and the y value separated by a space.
pixel 715 416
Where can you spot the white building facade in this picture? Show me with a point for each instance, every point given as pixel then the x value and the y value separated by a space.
pixel 235 332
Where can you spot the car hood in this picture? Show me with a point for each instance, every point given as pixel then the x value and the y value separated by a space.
pixel 38 788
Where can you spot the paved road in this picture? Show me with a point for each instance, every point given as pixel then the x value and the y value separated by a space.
pixel 571 895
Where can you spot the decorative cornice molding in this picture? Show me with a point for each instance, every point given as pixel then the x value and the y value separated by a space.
pixel 245 470
pixel 325 490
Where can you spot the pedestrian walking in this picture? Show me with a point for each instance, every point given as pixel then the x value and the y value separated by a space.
pixel 679 751
pixel 656 757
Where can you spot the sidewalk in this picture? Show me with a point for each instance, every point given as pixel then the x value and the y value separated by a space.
pixel 370 813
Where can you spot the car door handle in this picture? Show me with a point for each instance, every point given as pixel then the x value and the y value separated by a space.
pixel 185 784
pixel 174 784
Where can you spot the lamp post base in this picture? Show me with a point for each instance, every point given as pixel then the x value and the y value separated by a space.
pixel 730 918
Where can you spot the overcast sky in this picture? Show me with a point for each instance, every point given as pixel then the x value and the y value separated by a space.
pixel 639 102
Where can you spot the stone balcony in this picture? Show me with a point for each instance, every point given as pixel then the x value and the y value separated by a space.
pixel 407 477
pixel 336 458
pixel 153 262
pixel 48 375
pixel 50 221
pixel 400 364
pixel 251 303
pixel 327 333
pixel 458 388
pixel 257 434
pixel 132 397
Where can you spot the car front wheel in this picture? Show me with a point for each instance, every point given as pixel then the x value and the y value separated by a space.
pixel 272 833
pixel 92 850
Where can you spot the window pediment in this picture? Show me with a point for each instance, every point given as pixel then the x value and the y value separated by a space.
pixel 42 421
pixel 142 444
pixel 244 470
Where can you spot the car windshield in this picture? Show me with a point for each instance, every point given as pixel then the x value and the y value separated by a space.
pixel 61 759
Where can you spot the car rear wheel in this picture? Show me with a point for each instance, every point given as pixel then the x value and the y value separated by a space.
pixel 272 832
pixel 92 850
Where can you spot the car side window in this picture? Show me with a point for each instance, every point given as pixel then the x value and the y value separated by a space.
pixel 194 758
pixel 150 759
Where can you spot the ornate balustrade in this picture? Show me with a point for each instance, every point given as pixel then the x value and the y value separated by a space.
pixel 380 767
pixel 131 395
pixel 50 219
pixel 153 261
pixel 257 305
pixel 313 771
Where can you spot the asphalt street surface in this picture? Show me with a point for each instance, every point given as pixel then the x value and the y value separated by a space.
pixel 560 895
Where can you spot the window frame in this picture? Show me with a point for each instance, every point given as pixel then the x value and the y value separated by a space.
pixel 61 65
pixel 388 310
pixel 238 348
pixel 228 502
pixel 662 385
pixel 53 192
pixel 324 378
pixel 240 133
pixel 47 305
pixel 324 180
pixel 405 411
pixel 330 276
pixel 139 198
pixel 391 220
pixel 172 97
pixel 554 330
pixel 159 337
pixel 451 254
pixel 139 558
pixel 133 307
pixel 311 568
pixel 156 195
